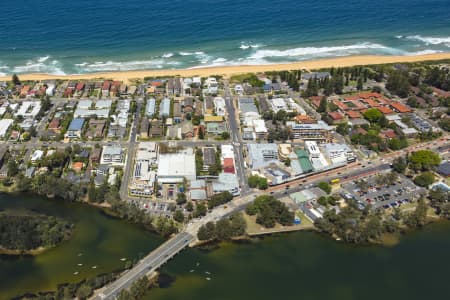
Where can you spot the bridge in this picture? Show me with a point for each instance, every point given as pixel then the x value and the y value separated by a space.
pixel 147 265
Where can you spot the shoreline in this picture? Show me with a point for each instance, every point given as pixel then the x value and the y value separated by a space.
pixel 347 61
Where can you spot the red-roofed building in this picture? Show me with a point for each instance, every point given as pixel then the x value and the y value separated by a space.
pixel 351 98
pixel 371 103
pixel 54 124
pixel 304 119
pixel 385 110
pixel 228 165
pixel 80 86
pixel 337 117
pixel 441 93
pixel 341 105
pixel 353 114
pixel 368 95
pixel 388 134
pixel 401 108
pixel 358 105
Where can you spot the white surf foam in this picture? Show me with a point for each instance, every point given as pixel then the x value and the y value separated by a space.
pixel 39 65
pixel 424 52
pixel 430 40
pixel 43 58
pixel 120 66
pixel 323 51
pixel 249 45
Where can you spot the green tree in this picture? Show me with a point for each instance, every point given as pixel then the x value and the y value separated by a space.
pixel 372 115
pixel 360 83
pixel 325 187
pixel 200 210
pixel 181 198
pixel 417 218
pixel 84 291
pixel 207 232
pixel 189 206
pixel 13 169
pixel 225 135
pixel 15 79
pixel 425 179
pixel 423 160
pixel 178 216
pixel 399 165
pixel 398 83
pixel 323 105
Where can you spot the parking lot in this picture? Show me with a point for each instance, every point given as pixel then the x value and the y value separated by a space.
pixel 386 196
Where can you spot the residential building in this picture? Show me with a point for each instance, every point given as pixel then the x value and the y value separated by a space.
pixel 4 126
pixel 75 128
pixel 164 108
pixel 112 154
pixel 150 107
pixel 318 132
pixel 177 114
pixel 156 128
pixel 219 106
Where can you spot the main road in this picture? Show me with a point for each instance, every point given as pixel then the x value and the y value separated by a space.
pixel 147 265
pixel 236 140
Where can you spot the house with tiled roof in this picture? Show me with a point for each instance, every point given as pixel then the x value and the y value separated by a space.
pixel 385 110
pixel 399 107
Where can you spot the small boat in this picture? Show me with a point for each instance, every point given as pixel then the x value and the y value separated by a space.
pixel 76 273
pixel 79 254
pixel 207 278
pixel 123 259
pixel 80 265
pixel 197 264
pixel 94 267
pixel 206 272
pixel 191 271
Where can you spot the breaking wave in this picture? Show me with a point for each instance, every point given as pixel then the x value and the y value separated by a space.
pixel 430 40
pixel 361 48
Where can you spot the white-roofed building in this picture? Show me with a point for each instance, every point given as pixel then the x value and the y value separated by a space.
pixel 29 109
pixel 262 155
pixel 164 108
pixel 339 153
pixel 313 149
pixel 84 104
pixel 37 155
pixel 148 152
pixel 150 107
pixel 174 168
pixel 278 104
pixel 219 106
pixel 226 182
pixel 112 154
pixel 101 104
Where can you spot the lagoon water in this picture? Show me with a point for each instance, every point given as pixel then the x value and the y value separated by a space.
pixel 303 265
pixel 67 37
pixel 97 240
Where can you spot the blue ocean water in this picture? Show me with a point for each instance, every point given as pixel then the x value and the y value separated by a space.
pixel 67 37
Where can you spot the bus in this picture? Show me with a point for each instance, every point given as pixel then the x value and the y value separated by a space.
pixel 335 181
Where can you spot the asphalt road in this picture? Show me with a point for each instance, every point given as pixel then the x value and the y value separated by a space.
pixel 236 140
pixel 147 265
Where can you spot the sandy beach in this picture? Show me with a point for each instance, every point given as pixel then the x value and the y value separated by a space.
pixel 126 76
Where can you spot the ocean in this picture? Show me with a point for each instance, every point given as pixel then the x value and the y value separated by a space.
pixel 85 36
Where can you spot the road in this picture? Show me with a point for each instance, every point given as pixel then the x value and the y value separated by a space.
pixel 236 139
pixel 147 265
pixel 130 153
